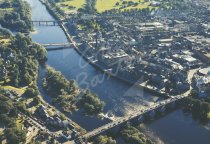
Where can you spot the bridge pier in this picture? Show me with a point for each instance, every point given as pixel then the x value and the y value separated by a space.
pixel 47 23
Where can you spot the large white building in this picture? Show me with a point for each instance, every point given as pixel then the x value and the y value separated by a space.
pixel 203 80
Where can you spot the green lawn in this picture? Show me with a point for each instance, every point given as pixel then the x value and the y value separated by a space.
pixel 103 5
pixel 208 115
pixel 4 41
pixel 19 91
pixel 71 6
pixel 19 123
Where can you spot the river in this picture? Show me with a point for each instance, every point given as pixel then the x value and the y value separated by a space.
pixel 120 98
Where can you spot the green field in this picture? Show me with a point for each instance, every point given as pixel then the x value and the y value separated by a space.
pixel 19 91
pixel 71 6
pixel 103 5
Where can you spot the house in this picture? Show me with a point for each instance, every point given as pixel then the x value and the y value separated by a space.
pixel 157 81
pixel 68 135
pixel 3 141
pixel 43 112
pixel 31 132
pixel 190 61
pixel 57 122
pixel 155 4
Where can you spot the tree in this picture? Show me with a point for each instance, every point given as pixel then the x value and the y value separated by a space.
pixel 14 75
pixel 31 92
pixel 55 82
pixel 5 107
pixel 7 121
pixel 205 108
pixel 40 53
pixel 19 19
pixel 36 100
pixel 15 136
pixel 104 140
pixel 91 103
pixel 133 136
pixel 13 113
pixel 5 33
pixel 27 78
pixel 22 107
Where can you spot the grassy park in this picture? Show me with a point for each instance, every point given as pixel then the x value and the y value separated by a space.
pixel 104 5
pixel 19 91
pixel 71 6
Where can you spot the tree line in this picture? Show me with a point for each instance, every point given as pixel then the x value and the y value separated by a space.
pixel 8 117
pixel 199 107
pixel 20 60
pixel 66 94
pixel 128 133
pixel 19 19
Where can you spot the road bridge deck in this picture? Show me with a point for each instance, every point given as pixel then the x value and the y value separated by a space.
pixel 132 116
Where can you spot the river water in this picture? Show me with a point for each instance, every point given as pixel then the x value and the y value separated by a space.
pixel 120 98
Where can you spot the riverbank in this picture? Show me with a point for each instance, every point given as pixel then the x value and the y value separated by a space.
pixel 70 39
pixel 114 92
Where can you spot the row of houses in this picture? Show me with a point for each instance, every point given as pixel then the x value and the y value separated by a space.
pixel 152 47
pixel 53 120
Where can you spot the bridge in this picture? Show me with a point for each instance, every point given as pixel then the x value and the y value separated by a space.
pixel 159 106
pixel 138 114
pixel 53 22
pixel 47 22
pixel 57 46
